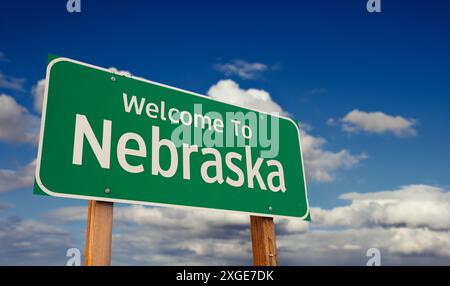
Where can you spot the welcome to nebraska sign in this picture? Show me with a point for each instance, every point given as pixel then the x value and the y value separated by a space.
pixel 112 137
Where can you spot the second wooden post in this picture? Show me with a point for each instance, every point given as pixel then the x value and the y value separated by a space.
pixel 263 241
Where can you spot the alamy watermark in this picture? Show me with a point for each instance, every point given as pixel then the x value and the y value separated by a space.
pixel 73 6
pixel 74 255
pixel 212 129
pixel 373 6
pixel 375 257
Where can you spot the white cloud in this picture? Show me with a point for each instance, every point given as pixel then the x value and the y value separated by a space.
pixel 15 179
pixel 38 93
pixel 405 233
pixel 174 236
pixel 163 217
pixel 31 242
pixel 12 83
pixel 229 91
pixel 378 122
pixel 411 206
pixel 120 72
pixel 206 237
pixel 72 214
pixel 16 123
pixel 320 164
pixel 242 69
pixel 398 246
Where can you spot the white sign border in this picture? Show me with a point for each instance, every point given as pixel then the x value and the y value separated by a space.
pixel 54 194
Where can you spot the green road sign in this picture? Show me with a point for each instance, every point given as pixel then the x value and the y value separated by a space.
pixel 113 137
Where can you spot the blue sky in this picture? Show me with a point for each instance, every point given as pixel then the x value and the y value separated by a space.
pixel 323 59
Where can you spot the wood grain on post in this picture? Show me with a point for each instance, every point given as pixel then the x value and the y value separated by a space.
pixel 99 234
pixel 263 241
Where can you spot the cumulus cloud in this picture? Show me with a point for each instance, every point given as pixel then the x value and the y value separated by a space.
pixel 405 233
pixel 410 206
pixel 398 246
pixel 378 123
pixel 172 236
pixel 242 69
pixel 38 93
pixel 320 164
pixel 186 237
pixel 16 179
pixel 120 72
pixel 161 217
pixel 392 221
pixel 409 225
pixel 11 83
pixel 16 123
pixel 182 236
pixel 31 242
pixel 229 91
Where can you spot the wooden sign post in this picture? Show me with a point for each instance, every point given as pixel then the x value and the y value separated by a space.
pixel 263 241
pixel 99 234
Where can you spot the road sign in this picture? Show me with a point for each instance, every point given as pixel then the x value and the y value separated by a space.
pixel 112 137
